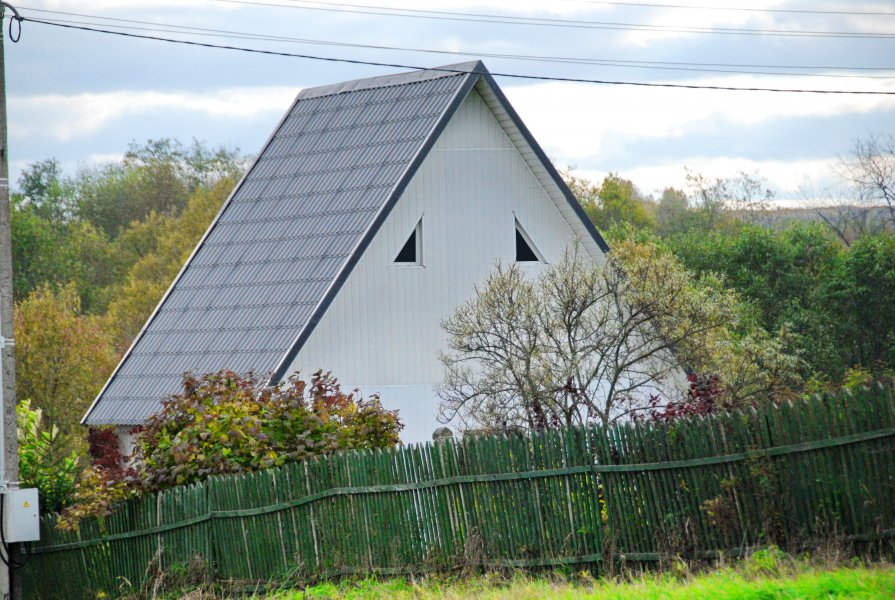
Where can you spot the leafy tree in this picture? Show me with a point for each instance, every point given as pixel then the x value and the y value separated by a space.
pixel 157 177
pixel 37 259
pixel 774 270
pixel 751 364
pixel 616 201
pixel 861 299
pixel 171 240
pixel 783 275
pixel 44 461
pixel 583 342
pixel 675 216
pixel 45 192
pixel 95 265
pixel 63 356
pixel 49 254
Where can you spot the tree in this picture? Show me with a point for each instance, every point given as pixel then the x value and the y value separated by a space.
pixel 165 243
pixel 782 275
pixel 673 213
pixel 63 357
pixel 745 196
pixel 45 192
pixel 157 177
pixel 95 265
pixel 614 202
pixel 36 256
pixel 46 253
pixel 582 342
pixel 860 298
pixel 870 169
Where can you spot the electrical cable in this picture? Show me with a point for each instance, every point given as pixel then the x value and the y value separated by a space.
pixel 745 9
pixel 9 560
pixel 15 17
pixel 647 65
pixel 552 22
pixel 459 71
pixel 738 69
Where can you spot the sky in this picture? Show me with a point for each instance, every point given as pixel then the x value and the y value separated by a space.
pixel 81 97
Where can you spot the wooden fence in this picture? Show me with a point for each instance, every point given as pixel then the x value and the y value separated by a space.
pixel 792 474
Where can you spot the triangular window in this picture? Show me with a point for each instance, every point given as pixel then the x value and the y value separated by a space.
pixel 411 251
pixel 526 251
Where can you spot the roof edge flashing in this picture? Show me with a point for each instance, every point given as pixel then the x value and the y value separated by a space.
pixel 471 77
pixel 489 91
pixel 86 420
pixel 407 77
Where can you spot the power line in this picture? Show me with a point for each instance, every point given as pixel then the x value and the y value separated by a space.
pixel 459 71
pixel 551 22
pixel 635 64
pixel 746 9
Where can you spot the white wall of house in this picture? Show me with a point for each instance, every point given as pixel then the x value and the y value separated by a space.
pixel 382 332
pixel 126 441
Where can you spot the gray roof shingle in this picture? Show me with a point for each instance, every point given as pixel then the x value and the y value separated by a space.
pixel 284 236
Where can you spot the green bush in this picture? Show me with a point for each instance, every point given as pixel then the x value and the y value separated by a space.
pixel 43 462
pixel 227 423
pixel 97 494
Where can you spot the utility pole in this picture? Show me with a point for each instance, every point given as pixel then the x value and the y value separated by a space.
pixel 10 587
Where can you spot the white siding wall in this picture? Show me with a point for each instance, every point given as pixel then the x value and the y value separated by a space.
pixel 382 332
pixel 126 443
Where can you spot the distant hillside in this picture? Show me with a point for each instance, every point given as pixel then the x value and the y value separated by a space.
pixel 849 221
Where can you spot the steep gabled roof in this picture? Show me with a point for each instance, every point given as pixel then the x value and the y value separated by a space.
pixel 292 230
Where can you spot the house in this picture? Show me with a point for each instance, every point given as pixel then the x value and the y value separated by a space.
pixel 367 218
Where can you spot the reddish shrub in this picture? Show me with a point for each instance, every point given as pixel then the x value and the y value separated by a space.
pixel 702 399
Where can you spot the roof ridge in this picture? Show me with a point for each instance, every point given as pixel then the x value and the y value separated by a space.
pixel 394 79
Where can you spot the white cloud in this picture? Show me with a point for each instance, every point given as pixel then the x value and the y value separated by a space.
pixel 97 159
pixel 597 121
pixel 67 117
pixel 784 176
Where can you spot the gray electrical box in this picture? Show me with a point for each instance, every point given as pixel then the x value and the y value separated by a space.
pixel 21 520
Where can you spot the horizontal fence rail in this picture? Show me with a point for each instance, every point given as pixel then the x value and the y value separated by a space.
pixel 792 474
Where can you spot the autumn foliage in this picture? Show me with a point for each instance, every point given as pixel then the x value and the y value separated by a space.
pixel 704 396
pixel 62 356
pixel 228 423
pixel 105 452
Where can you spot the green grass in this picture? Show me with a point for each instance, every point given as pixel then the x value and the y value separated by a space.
pixel 744 582
pixel 766 574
